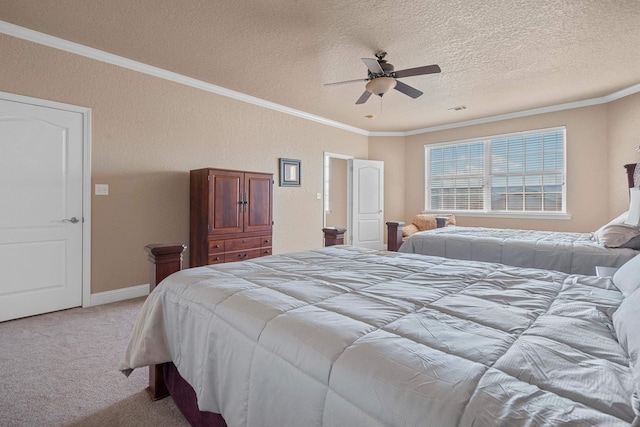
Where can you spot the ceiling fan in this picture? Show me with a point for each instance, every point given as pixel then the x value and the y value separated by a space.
pixel 381 78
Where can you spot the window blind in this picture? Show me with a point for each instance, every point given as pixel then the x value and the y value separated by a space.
pixel 522 172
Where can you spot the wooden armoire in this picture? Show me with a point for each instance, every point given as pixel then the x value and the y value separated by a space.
pixel 231 216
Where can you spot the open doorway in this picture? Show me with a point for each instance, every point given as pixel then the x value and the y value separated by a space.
pixel 354 199
pixel 336 192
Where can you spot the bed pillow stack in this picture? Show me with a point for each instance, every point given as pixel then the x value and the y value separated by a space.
pixel 618 234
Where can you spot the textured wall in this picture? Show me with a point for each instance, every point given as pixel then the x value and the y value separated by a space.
pixel 623 118
pixel 147 133
pixel 391 150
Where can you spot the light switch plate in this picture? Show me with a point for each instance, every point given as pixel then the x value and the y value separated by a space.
pixel 102 189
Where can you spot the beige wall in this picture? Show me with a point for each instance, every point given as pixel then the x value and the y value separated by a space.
pixel 588 168
pixel 623 117
pixel 391 150
pixel 147 133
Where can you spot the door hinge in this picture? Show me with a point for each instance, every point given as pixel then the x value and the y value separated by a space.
pixel 208 227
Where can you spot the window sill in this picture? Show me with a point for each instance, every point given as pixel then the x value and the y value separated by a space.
pixel 525 215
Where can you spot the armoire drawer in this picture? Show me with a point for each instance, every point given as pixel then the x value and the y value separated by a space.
pixel 216 246
pixel 240 244
pixel 242 255
pixel 216 258
pixel 266 242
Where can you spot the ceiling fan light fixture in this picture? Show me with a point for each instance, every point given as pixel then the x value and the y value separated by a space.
pixel 380 85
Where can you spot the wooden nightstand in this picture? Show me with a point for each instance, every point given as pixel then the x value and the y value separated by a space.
pixel 334 236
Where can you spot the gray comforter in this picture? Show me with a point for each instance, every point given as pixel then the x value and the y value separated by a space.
pixel 551 250
pixel 345 336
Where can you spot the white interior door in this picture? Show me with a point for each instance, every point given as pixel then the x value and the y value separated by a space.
pixel 367 207
pixel 41 209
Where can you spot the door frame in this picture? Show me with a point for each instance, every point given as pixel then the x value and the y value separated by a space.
pixel 86 179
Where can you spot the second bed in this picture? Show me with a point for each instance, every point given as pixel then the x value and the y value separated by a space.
pixel 569 252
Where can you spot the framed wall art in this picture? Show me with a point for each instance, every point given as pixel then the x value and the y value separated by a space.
pixel 290 173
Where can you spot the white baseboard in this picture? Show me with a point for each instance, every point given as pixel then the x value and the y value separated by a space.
pixel 118 295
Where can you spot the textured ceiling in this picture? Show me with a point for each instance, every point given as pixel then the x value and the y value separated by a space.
pixel 496 56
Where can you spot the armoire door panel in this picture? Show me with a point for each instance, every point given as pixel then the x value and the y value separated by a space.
pixel 258 189
pixel 226 209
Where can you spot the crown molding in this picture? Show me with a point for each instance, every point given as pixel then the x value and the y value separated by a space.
pixel 99 55
pixel 535 111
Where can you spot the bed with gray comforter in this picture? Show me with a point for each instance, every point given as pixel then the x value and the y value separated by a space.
pixel 345 336
pixel 569 252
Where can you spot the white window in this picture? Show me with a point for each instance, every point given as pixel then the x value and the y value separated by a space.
pixel 520 173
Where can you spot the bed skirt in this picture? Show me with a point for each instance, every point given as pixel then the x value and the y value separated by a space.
pixel 185 398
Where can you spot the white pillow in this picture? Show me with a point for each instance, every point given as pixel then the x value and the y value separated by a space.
pixel 625 322
pixel 617 234
pixel 627 277
pixel 633 218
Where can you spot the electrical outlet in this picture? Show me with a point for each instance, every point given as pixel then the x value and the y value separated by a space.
pixel 102 189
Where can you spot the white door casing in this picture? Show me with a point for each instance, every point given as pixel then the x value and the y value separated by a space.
pixel 367 203
pixel 44 252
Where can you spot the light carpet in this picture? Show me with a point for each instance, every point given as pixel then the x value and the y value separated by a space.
pixel 61 369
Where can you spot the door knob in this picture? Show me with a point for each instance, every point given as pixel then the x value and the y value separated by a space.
pixel 72 220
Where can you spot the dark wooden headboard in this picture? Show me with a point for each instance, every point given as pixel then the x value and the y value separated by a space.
pixel 631 167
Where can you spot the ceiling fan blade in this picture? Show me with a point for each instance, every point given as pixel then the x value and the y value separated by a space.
pixel 346 81
pixel 407 90
pixel 373 65
pixel 363 98
pixel 427 69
